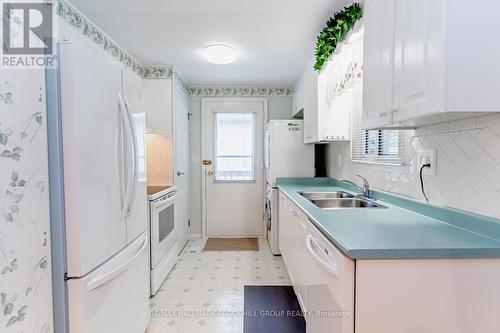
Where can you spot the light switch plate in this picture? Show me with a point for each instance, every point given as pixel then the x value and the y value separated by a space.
pixel 427 156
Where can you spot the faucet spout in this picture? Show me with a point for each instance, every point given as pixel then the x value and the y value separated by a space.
pixel 365 189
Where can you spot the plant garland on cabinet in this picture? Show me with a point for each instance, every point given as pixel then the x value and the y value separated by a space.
pixel 335 31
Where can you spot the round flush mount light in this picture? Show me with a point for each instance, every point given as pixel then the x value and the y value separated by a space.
pixel 220 54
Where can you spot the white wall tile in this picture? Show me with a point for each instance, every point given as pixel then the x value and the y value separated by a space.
pixel 457 168
pixel 490 142
pixel 488 121
pixel 462 125
pixel 489 196
pixel 467 144
pixel 494 177
pixel 468 166
pixel 448 145
pixel 480 167
pixel 475 132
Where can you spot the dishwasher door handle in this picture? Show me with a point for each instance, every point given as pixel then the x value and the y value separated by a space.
pixel 331 265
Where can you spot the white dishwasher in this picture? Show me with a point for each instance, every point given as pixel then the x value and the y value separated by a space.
pixel 329 286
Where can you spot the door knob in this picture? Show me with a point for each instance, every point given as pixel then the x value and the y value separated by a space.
pixel 210 173
pixel 179 173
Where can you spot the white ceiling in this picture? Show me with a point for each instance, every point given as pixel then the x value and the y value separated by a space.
pixel 275 37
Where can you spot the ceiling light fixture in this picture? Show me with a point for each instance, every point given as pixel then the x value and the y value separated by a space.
pixel 220 54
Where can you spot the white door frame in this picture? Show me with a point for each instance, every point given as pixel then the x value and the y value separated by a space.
pixel 264 101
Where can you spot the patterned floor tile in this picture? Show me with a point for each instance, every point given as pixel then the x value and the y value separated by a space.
pixel 204 291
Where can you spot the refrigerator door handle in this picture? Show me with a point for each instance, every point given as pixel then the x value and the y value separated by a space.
pixel 123 184
pixel 135 157
pixel 130 175
pixel 110 275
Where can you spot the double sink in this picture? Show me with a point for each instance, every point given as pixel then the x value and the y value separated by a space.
pixel 338 200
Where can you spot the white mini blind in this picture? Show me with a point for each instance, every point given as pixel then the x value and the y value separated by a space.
pixel 378 146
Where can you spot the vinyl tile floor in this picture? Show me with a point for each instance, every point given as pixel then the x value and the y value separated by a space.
pixel 204 290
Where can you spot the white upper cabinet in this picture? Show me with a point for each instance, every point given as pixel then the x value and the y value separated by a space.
pixel 298 97
pixel 378 62
pixel 158 97
pixel 308 90
pixel 424 64
pixel 419 58
pixel 325 119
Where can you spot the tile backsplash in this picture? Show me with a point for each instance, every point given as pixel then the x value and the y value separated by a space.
pixel 159 159
pixel 468 166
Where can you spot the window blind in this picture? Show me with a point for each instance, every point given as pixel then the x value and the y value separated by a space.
pixel 377 146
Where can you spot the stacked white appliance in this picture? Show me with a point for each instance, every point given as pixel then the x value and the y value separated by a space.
pixel 285 155
pixel 103 126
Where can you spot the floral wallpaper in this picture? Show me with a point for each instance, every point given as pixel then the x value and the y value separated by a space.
pixel 25 274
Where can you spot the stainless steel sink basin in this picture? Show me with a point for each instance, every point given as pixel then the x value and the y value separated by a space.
pixel 325 195
pixel 345 203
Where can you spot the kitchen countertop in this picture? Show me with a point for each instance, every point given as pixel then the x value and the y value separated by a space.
pixel 407 229
pixel 156 191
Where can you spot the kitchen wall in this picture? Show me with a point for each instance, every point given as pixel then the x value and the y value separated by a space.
pixel 468 166
pixel 25 268
pixel 279 107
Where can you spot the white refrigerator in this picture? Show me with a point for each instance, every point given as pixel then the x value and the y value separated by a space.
pixel 102 130
pixel 285 155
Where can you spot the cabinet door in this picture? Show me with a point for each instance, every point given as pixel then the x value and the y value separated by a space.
pixel 181 175
pixel 298 254
pixel 298 96
pixel 310 82
pixel 158 97
pixel 378 62
pixel 301 257
pixel 419 55
pixel 283 233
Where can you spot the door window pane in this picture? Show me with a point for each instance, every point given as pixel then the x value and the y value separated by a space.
pixel 234 146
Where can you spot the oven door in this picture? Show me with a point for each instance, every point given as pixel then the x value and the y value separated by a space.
pixel 163 235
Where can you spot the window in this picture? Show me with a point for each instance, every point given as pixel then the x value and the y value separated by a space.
pixel 234 146
pixel 377 146
pixel 382 143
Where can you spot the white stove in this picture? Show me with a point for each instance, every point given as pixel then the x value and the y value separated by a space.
pixel 163 235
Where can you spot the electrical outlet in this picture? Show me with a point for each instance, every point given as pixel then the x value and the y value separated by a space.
pixel 427 156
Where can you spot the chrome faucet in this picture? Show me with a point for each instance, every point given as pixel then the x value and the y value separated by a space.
pixel 365 190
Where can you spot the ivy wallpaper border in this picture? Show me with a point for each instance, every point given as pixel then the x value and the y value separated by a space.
pixel 83 25
pixel 239 91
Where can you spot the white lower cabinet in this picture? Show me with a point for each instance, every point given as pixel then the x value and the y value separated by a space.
pixel 390 296
pixel 298 229
pixel 322 277
pixel 329 286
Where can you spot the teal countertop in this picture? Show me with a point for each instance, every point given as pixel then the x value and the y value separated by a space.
pixel 407 229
